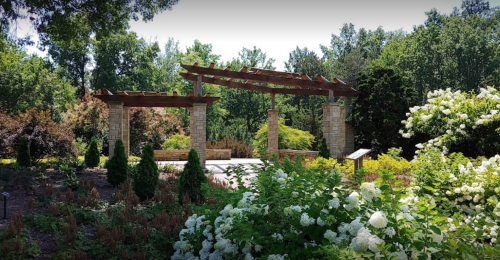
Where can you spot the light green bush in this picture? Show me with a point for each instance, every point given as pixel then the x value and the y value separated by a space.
pixel 288 138
pixel 177 142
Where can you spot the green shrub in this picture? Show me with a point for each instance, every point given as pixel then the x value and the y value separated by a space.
pixel 70 179
pixel 146 174
pixel 192 177
pixel 323 149
pixel 177 142
pixel 92 154
pixel 288 138
pixel 23 153
pixel 117 165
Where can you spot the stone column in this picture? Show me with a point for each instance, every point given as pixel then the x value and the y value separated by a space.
pixel 272 132
pixel 198 129
pixel 115 124
pixel 339 135
pixel 126 130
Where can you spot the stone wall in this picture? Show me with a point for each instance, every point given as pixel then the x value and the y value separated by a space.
pixel 182 155
pixel 198 130
pixel 311 155
pixel 272 132
pixel 126 130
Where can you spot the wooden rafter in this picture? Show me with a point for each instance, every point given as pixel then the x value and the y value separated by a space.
pixel 272 77
pixel 234 84
pixel 152 99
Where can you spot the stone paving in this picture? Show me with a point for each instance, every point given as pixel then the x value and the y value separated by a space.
pixel 217 167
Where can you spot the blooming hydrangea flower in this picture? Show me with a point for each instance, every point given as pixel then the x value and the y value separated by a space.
pixel 276 257
pixel 331 236
pixel 365 240
pixel 334 203
pixel 400 255
pixel 305 220
pixel 369 190
pixel 352 201
pixel 390 231
pixel 378 220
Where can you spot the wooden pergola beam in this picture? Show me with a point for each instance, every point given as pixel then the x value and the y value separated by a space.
pixel 338 87
pixel 157 101
pixel 239 85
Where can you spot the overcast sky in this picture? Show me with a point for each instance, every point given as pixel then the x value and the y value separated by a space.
pixel 277 27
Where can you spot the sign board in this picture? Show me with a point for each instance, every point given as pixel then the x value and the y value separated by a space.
pixel 358 154
pixel 5 194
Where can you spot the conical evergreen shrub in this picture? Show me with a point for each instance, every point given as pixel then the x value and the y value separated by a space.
pixel 23 153
pixel 146 174
pixel 92 154
pixel 323 149
pixel 192 178
pixel 117 165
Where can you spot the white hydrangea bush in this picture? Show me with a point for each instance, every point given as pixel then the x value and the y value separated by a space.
pixel 450 116
pixel 316 216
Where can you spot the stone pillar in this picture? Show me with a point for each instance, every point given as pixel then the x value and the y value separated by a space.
pixel 198 129
pixel 115 124
pixel 126 130
pixel 339 135
pixel 272 132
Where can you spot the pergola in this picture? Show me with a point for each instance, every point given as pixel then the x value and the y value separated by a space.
pixel 119 118
pixel 339 135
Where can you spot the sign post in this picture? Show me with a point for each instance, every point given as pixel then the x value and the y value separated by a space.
pixel 357 157
pixel 5 196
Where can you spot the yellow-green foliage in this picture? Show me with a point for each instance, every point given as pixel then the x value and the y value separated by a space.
pixel 346 167
pixel 288 138
pixel 177 142
pixel 401 166
pixel 321 163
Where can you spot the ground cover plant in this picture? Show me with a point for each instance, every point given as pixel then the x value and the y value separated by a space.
pixel 91 219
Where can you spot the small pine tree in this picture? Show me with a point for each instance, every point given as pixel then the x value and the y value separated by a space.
pixel 23 153
pixel 192 178
pixel 92 154
pixel 146 174
pixel 323 149
pixel 117 165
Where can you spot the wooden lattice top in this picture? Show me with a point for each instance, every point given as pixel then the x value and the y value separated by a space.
pixel 152 99
pixel 302 84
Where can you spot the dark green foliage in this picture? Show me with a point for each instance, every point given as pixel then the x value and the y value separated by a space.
pixel 92 154
pixel 378 111
pixel 117 165
pixel 192 178
pixel 146 174
pixel 323 150
pixel 23 153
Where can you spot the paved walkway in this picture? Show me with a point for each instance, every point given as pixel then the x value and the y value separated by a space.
pixel 217 167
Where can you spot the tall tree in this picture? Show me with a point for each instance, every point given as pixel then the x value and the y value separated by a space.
pixel 248 106
pixel 307 117
pixel 124 62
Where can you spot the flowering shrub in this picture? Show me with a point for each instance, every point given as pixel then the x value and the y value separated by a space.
pixel 304 213
pixel 458 121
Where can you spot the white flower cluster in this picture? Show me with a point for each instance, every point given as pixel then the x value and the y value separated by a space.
pixel 369 191
pixel 281 177
pixel 365 240
pixel 305 220
pixel 352 201
pixel 378 220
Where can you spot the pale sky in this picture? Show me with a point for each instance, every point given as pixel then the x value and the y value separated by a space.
pixel 277 27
